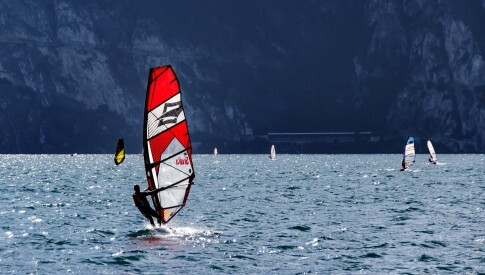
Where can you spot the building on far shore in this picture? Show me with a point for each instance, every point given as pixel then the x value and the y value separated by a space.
pixel 331 142
pixel 325 137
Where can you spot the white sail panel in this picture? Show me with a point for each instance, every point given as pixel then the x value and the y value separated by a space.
pixel 174 169
pixel 165 116
pixel 174 147
pixel 174 196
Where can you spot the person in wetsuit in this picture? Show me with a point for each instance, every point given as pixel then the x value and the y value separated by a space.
pixel 141 202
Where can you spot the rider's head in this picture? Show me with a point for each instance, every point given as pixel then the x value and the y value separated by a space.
pixel 137 188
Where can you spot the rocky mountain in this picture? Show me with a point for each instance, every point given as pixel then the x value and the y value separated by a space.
pixel 73 73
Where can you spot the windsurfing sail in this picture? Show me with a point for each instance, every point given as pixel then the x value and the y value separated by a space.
pixel 215 151
pixel 166 143
pixel 119 152
pixel 409 154
pixel 272 153
pixel 432 153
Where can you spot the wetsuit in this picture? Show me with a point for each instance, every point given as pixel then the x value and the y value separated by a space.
pixel 142 204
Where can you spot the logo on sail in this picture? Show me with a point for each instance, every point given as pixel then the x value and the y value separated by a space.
pixel 182 161
pixel 170 116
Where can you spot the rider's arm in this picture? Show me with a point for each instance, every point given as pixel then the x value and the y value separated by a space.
pixel 153 192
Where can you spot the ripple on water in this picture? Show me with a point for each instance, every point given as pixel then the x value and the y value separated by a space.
pixel 286 247
pixel 302 228
pixel 371 255
pixel 282 216
pixel 426 258
pixel 433 244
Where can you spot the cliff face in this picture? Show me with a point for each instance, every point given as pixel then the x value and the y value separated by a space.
pixel 439 91
pixel 73 74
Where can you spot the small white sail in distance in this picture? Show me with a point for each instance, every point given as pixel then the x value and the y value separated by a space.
pixel 432 153
pixel 409 154
pixel 272 153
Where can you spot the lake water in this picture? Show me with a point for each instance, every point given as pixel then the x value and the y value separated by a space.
pixel 246 214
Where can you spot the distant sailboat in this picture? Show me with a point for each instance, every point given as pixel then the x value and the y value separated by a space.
pixel 119 152
pixel 432 154
pixel 272 153
pixel 215 151
pixel 409 154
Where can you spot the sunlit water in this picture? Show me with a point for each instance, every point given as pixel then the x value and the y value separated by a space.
pixel 246 214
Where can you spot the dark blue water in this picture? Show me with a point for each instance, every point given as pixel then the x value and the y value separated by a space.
pixel 246 214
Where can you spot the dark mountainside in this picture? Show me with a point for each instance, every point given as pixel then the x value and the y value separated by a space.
pixel 73 73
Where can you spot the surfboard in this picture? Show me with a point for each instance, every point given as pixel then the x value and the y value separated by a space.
pixel 167 149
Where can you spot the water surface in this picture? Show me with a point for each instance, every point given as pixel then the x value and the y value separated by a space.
pixel 246 214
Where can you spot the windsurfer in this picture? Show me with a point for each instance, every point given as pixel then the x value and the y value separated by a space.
pixel 141 202
pixel 403 164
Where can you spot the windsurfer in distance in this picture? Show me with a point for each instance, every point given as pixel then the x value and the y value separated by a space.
pixel 141 202
pixel 403 164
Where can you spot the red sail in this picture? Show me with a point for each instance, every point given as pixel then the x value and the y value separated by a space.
pixel 166 141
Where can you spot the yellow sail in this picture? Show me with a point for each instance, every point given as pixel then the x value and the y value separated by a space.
pixel 120 152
